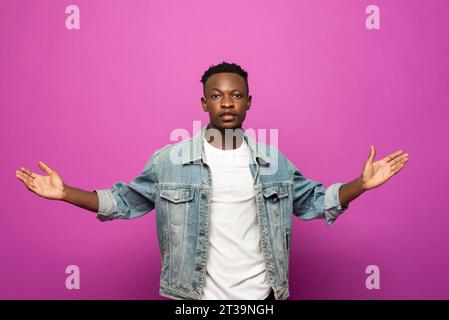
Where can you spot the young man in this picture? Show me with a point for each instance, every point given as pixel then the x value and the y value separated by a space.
pixel 223 201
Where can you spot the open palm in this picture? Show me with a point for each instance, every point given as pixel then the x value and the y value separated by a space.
pixel 375 173
pixel 50 187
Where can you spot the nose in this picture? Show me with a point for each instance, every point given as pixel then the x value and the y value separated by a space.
pixel 227 102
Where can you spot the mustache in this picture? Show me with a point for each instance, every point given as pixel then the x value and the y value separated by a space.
pixel 225 113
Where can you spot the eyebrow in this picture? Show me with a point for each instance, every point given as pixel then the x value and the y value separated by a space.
pixel 221 91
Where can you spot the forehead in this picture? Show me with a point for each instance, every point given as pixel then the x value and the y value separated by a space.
pixel 225 81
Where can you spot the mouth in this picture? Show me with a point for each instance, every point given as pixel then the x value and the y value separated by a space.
pixel 228 116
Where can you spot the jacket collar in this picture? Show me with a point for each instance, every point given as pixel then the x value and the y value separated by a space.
pixel 194 149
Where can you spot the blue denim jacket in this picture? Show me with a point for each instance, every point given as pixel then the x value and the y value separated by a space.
pixel 176 182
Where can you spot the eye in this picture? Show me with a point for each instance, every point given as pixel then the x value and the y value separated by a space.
pixel 215 96
pixel 237 95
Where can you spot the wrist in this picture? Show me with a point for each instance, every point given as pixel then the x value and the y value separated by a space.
pixel 65 192
pixel 361 185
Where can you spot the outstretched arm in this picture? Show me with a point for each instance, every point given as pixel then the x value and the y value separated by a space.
pixel 53 187
pixel 122 201
pixel 374 174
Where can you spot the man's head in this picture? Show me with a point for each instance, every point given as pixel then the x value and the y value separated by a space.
pixel 226 95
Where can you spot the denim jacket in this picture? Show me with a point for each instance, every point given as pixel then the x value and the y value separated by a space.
pixel 176 182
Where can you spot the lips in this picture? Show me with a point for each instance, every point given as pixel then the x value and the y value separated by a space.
pixel 226 116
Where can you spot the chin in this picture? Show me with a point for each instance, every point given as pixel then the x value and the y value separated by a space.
pixel 229 125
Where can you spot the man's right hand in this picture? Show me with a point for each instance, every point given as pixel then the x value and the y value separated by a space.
pixel 50 187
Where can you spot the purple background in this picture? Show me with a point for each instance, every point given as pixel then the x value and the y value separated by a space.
pixel 95 103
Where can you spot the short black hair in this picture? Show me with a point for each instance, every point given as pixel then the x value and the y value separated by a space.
pixel 225 67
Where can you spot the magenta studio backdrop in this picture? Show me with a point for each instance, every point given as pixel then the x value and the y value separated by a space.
pixel 95 102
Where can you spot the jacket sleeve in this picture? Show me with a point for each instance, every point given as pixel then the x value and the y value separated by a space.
pixel 312 201
pixel 129 201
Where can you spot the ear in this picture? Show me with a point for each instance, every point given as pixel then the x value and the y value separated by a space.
pixel 204 104
pixel 248 102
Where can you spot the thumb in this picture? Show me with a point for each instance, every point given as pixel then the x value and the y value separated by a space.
pixel 44 167
pixel 372 154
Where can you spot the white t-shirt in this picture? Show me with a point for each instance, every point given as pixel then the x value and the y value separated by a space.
pixel 235 266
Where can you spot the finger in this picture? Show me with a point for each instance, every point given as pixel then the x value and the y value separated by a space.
pixel 393 155
pixel 398 159
pixel 31 187
pixel 18 175
pixel 22 176
pixel 45 168
pixel 29 173
pixel 25 178
pixel 398 168
pixel 29 183
pixel 404 161
pixel 372 154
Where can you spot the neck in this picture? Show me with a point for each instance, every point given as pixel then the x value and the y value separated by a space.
pixel 225 139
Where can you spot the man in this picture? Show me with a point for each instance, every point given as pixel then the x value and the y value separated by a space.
pixel 223 201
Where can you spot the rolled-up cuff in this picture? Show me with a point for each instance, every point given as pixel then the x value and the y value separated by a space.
pixel 332 205
pixel 107 203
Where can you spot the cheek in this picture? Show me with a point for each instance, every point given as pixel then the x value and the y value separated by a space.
pixel 213 109
pixel 242 108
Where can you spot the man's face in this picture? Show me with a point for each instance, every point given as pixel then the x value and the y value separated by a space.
pixel 226 100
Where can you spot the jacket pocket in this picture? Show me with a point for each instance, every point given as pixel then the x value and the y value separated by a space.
pixel 274 192
pixel 177 202
pixel 177 195
pixel 276 204
pixel 276 200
